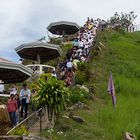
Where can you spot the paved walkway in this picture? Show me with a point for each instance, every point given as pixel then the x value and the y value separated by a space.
pixel 35 129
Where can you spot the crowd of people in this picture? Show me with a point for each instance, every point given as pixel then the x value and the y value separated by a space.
pixel 79 52
pixel 17 104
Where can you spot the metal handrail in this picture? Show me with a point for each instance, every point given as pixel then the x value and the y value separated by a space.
pixel 25 121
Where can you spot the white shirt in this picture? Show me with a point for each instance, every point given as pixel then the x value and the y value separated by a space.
pixel 83 59
pixel 25 92
pixel 20 62
pixel 86 46
pixel 79 50
pixel 81 44
pixel 1 87
pixel 54 75
pixel 69 64
pixel 13 91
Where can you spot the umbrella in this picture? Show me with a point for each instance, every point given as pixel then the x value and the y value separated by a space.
pixel 111 90
pixel 63 28
pixel 11 72
pixel 39 50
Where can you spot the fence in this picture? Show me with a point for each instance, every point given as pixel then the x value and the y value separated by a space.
pixel 134 28
pixel 137 27
pixel 30 121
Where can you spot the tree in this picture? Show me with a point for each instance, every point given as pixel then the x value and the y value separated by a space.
pixel 115 19
pixel 53 94
pixel 124 20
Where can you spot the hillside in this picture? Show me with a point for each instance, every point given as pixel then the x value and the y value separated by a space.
pixel 102 122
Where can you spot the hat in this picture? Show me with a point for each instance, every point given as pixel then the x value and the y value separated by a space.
pixel 1 82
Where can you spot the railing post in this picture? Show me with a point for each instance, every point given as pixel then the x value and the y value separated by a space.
pixel 40 120
pixel 27 124
pixel 26 121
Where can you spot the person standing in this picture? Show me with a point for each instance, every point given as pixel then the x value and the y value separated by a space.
pixel 69 65
pixel 13 89
pixel 18 110
pixel 54 74
pixel 20 61
pixel 12 107
pixel 25 98
pixel 1 87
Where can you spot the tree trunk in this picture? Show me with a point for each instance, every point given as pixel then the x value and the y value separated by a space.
pixel 51 117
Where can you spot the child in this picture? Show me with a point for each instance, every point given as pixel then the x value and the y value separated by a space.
pixel 12 107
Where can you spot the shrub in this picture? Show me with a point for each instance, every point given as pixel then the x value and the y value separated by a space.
pixel 83 74
pixel 20 131
pixel 81 77
pixel 82 66
pixel 122 31
pixel 78 94
pixel 56 41
pixel 52 62
pixel 52 93
pixel 95 52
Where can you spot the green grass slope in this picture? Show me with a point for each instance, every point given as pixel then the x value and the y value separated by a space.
pixel 121 55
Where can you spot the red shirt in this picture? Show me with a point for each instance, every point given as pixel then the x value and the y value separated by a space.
pixel 12 105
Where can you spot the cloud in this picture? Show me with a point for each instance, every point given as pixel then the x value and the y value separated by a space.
pixel 24 21
pixel 16 26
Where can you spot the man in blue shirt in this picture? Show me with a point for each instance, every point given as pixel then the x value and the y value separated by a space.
pixel 25 98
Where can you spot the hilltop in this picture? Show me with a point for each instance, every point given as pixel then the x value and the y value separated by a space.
pixel 120 55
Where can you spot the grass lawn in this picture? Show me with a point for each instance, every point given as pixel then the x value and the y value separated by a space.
pixel 102 120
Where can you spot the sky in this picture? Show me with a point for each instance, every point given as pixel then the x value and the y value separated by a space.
pixel 24 21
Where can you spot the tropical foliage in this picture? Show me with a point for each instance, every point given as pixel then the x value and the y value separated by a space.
pixel 51 93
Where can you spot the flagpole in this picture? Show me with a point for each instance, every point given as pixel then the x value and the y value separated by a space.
pixel 111 89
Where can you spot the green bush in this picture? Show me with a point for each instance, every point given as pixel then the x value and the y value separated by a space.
pixel 53 94
pixel 65 48
pixel 122 31
pixel 82 66
pixel 95 52
pixel 83 74
pixel 20 131
pixel 52 62
pixel 78 94
pixel 81 77
pixel 56 41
